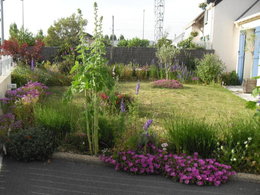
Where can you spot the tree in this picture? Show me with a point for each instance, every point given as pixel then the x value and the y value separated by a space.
pixel 111 37
pixel 64 33
pixel 166 55
pixel 39 35
pixel 135 42
pixel 122 43
pixel 163 41
pixel 121 37
pixel 187 44
pixel 21 35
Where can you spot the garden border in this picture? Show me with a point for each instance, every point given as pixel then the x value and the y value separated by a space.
pixel 93 159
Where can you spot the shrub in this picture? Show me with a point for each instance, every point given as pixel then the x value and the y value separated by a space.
pixel 126 73
pixel 110 128
pixel 230 78
pixel 22 100
pixel 142 73
pixel 8 123
pixel 190 135
pixel 30 144
pixel 173 84
pixel 22 75
pixel 182 73
pixel 210 69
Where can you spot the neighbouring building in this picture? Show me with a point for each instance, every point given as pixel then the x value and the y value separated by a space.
pixel 232 29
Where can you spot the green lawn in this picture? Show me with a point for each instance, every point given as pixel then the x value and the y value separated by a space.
pixel 212 103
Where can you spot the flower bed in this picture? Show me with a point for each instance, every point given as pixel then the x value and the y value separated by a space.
pixel 182 168
pixel 117 100
pixel 173 84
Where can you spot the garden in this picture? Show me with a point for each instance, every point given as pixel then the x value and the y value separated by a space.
pixel 168 119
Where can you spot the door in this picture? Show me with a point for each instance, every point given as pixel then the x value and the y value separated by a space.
pixel 256 53
pixel 241 55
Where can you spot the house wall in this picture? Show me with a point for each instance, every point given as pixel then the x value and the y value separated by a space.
pixel 225 37
pixel 249 52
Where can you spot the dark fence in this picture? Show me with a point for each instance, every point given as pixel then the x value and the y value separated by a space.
pixel 141 56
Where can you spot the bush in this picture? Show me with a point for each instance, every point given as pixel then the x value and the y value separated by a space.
pixel 210 69
pixel 142 73
pixel 30 144
pixel 173 84
pixel 22 100
pixel 22 75
pixel 110 128
pixel 230 78
pixel 190 135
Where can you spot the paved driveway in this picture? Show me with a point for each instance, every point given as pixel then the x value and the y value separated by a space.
pixel 64 177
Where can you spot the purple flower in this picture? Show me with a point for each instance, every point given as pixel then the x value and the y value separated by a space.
pixel 32 64
pixel 137 88
pixel 147 124
pixel 122 105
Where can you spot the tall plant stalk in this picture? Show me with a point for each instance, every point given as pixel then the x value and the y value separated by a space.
pixel 92 77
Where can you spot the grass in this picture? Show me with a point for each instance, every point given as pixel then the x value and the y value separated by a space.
pixel 213 104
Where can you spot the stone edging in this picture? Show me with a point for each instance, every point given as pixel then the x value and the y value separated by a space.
pixel 93 159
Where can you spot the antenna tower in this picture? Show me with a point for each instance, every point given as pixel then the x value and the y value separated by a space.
pixel 159 7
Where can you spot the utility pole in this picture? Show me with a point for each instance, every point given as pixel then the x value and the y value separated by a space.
pixel 113 31
pixel 2 22
pixel 22 14
pixel 143 22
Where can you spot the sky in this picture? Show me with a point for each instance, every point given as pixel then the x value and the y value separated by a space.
pixel 128 14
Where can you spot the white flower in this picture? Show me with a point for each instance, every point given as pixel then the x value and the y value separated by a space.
pixel 250 138
pixel 232 150
pixel 245 142
pixel 164 145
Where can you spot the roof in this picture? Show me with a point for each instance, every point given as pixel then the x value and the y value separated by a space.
pixel 214 1
pixel 253 9
pixel 247 19
pixel 201 15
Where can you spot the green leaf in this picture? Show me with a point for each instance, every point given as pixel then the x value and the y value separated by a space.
pixel 251 105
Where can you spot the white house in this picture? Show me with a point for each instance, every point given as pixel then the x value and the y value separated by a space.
pixel 231 28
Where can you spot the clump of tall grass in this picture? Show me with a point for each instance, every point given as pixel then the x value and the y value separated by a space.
pixel 186 135
pixel 62 118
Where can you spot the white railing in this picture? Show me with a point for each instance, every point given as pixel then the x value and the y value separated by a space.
pixel 6 63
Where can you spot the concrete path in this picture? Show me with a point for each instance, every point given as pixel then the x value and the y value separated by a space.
pixel 238 90
pixel 63 177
